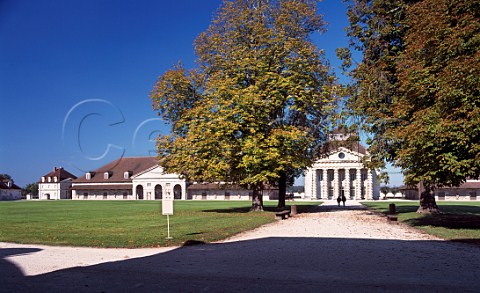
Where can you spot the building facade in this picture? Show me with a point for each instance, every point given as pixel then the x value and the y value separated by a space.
pixel 125 178
pixel 56 184
pixel 470 190
pixel 9 190
pixel 341 172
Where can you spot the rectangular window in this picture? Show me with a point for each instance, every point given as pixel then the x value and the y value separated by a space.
pixel 105 195
pixel 125 195
pixel 85 195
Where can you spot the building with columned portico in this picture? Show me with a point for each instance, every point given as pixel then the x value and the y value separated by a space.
pixel 341 172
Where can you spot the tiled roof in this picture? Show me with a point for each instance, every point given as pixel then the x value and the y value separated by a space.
pixel 102 187
pixel 4 184
pixel 117 168
pixel 60 173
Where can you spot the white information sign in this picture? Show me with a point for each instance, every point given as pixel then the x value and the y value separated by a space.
pixel 167 204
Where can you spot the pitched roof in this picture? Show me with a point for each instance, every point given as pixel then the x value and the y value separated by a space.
pixel 4 183
pixel 103 187
pixel 117 168
pixel 60 173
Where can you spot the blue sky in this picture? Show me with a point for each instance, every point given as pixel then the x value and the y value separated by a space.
pixel 75 76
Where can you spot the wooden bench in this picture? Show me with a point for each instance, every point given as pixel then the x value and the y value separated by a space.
pixel 282 215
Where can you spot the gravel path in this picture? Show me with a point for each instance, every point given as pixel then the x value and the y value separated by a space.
pixel 331 221
pixel 341 249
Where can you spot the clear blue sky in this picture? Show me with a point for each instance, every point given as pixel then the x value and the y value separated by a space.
pixel 75 76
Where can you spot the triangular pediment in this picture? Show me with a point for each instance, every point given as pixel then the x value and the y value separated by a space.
pixel 342 154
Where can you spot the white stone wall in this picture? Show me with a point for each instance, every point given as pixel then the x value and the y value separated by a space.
pixel 151 178
pixel 219 194
pixel 99 195
pixel 10 194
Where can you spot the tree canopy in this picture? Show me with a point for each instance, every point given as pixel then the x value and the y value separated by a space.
pixel 257 105
pixel 417 87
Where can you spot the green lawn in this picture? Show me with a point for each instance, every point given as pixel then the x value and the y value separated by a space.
pixel 459 221
pixel 128 223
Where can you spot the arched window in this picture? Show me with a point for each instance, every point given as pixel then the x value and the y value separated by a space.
pixel 177 192
pixel 158 191
pixel 139 192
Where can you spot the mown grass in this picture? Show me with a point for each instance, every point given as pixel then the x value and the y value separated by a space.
pixel 459 221
pixel 128 223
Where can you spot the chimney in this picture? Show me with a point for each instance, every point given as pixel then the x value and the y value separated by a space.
pixel 54 168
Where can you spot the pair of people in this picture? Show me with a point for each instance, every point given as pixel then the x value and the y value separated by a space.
pixel 341 198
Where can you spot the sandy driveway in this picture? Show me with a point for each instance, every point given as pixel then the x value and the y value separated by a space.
pixel 332 249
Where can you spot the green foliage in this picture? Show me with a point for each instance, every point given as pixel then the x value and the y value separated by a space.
pixel 259 102
pixel 6 176
pixel 31 188
pixel 417 88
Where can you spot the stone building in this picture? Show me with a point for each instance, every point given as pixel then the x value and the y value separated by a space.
pixel 341 172
pixel 9 190
pixel 470 190
pixel 128 178
pixel 56 184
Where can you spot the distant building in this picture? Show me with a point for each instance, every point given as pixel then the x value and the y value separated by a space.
pixel 341 172
pixel 470 190
pixel 141 178
pixel 56 184
pixel 9 190
pixel 129 178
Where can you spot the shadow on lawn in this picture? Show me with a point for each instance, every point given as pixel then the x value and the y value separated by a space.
pixel 447 220
pixel 313 208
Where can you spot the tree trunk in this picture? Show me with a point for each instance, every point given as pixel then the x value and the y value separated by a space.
pixel 428 205
pixel 257 199
pixel 282 189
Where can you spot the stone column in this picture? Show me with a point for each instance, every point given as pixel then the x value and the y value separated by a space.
pixel 325 184
pixel 369 187
pixel 314 184
pixel 336 181
pixel 346 186
pixel 358 184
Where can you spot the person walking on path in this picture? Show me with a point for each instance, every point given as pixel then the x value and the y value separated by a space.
pixel 344 199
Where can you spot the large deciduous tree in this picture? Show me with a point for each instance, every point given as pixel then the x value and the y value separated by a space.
pixel 255 110
pixel 418 88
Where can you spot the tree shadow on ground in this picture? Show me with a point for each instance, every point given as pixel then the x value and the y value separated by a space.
pixel 336 208
pixel 275 264
pixel 447 220
pixel 304 208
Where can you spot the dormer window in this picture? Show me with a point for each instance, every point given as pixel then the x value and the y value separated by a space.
pixel 88 176
pixel 9 183
pixel 126 175
pixel 43 179
pixel 106 175
pixel 49 179
pixel 55 179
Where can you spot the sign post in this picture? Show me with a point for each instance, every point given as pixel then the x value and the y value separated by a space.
pixel 167 209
